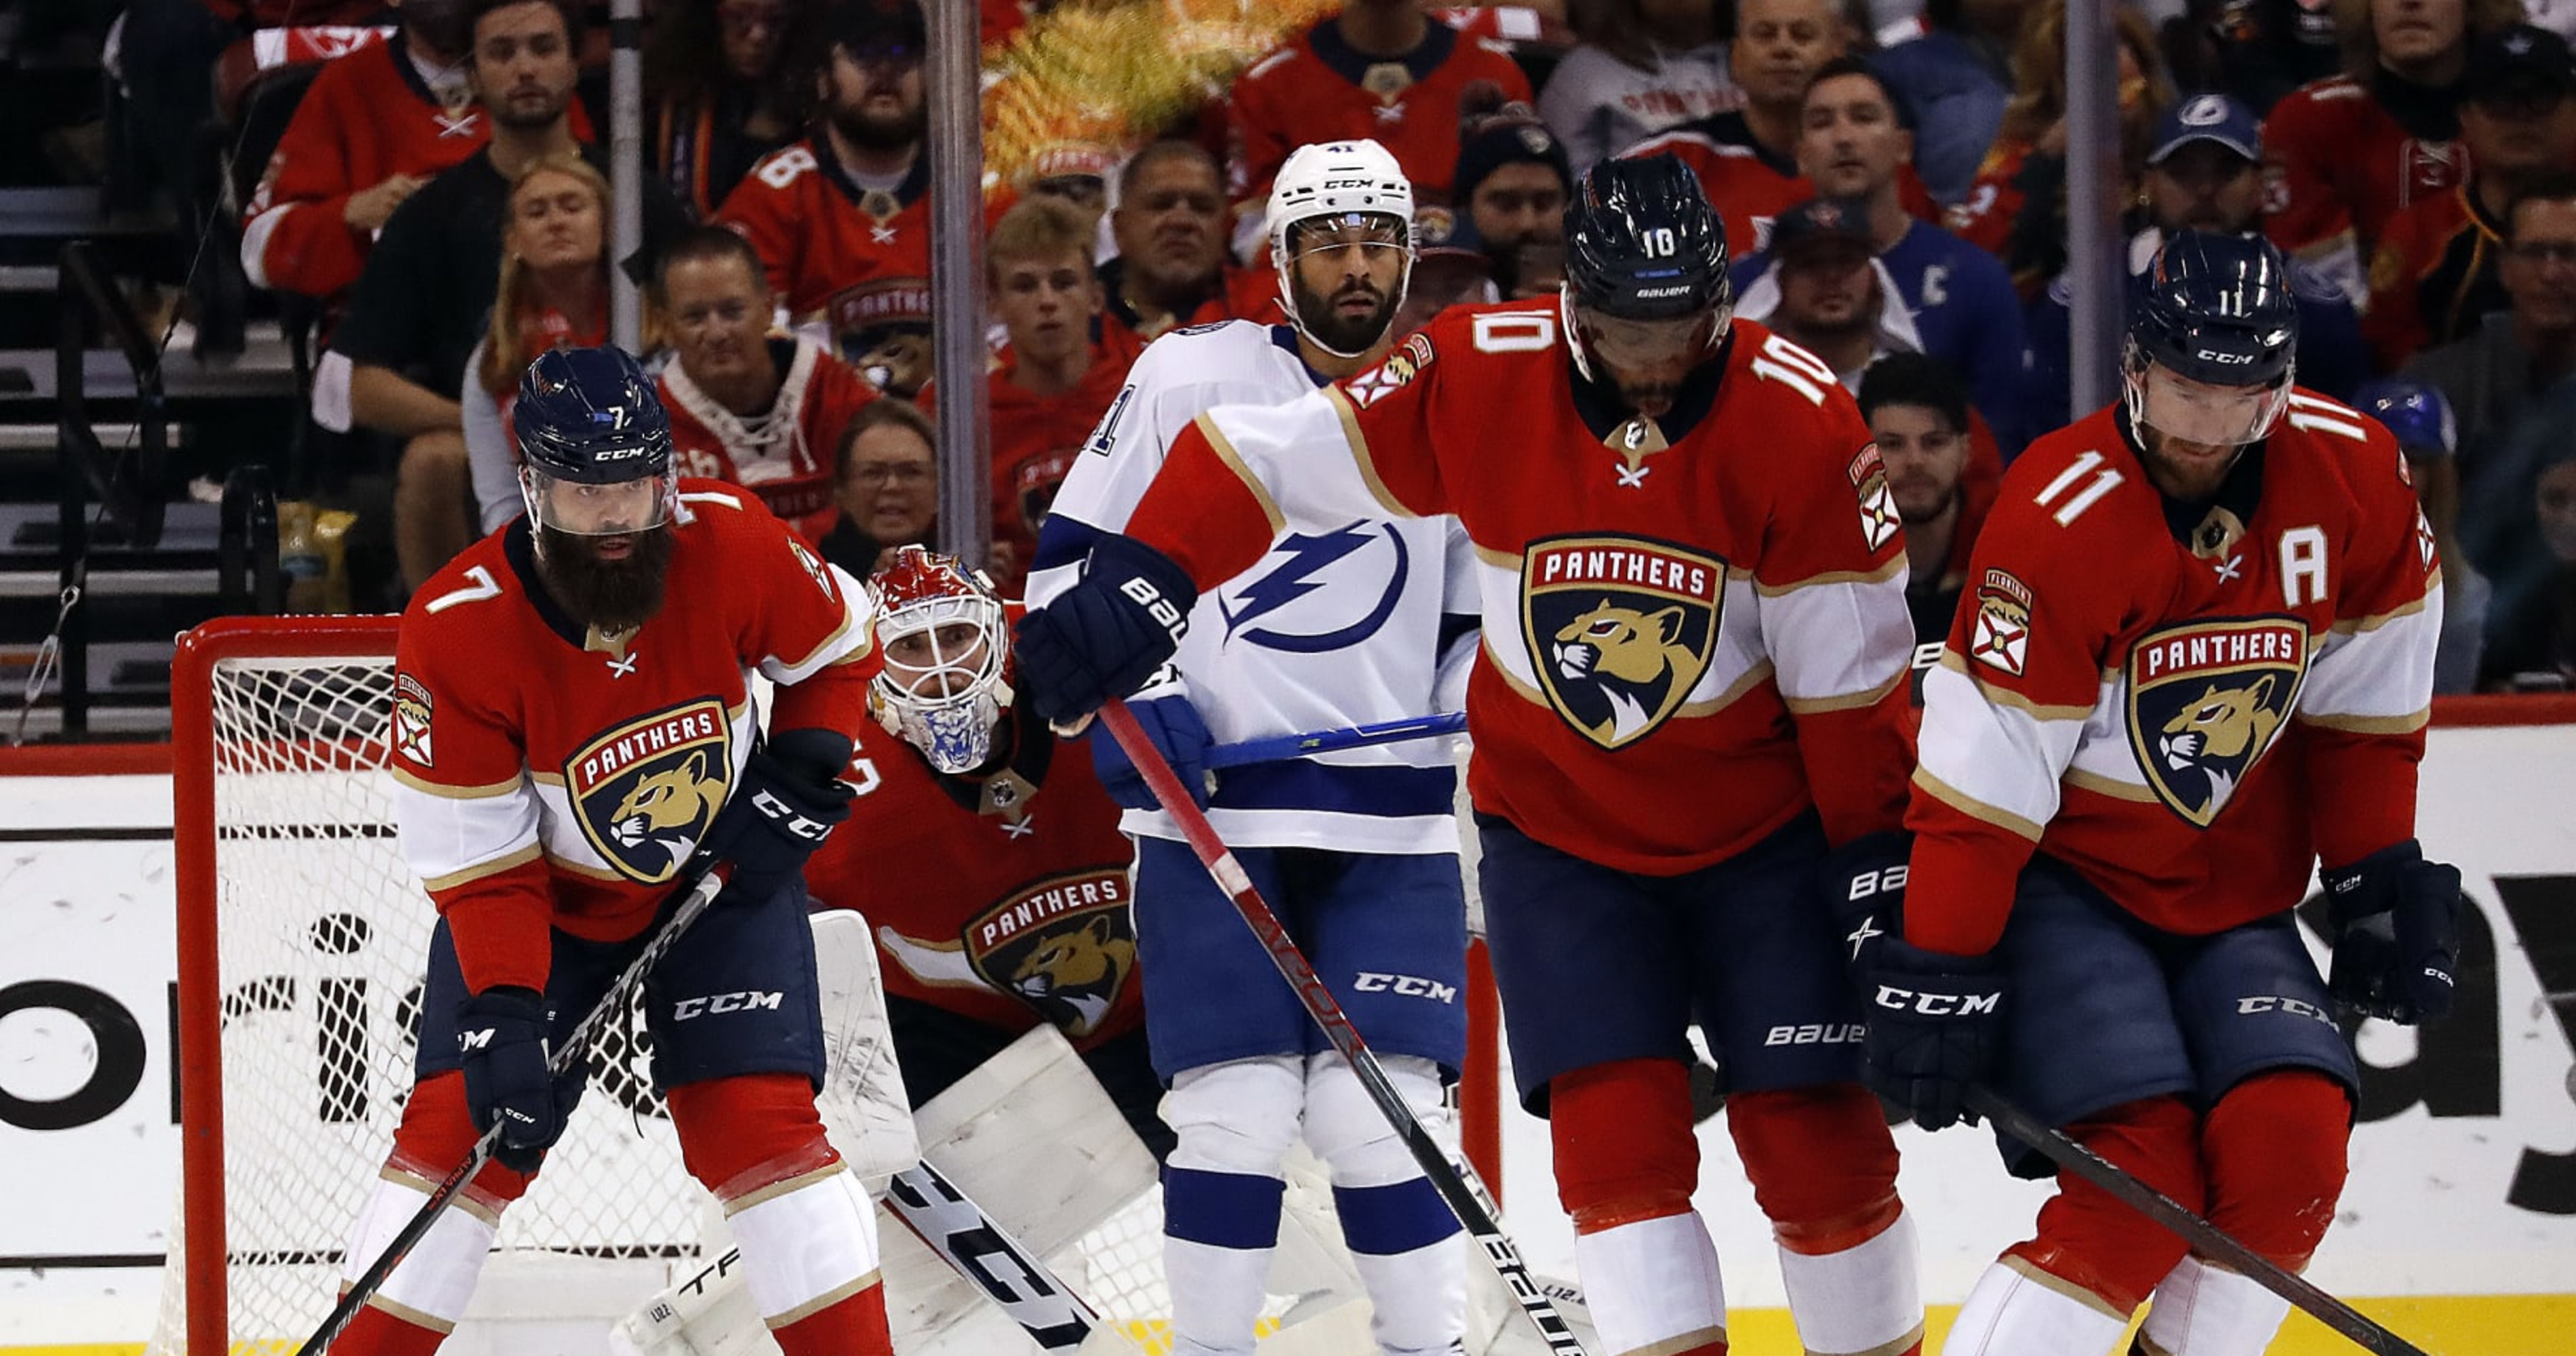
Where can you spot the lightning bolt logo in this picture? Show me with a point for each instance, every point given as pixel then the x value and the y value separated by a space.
pixel 1306 557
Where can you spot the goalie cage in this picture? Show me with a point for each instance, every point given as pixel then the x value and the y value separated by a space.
pixel 302 938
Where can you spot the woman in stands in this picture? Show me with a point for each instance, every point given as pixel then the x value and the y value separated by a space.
pixel 553 294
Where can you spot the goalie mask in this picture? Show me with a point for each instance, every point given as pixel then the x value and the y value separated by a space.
pixel 945 641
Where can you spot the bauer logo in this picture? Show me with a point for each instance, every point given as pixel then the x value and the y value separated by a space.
pixel 1064 945
pixel 1619 629
pixel 645 791
pixel 2206 701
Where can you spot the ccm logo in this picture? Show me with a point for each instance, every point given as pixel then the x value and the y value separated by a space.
pixel 1816 1033
pixel 1895 999
pixel 771 807
pixel 723 1003
pixel 1405 986
pixel 2259 1003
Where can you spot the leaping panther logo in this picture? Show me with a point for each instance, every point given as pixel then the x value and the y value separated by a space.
pixel 1074 974
pixel 2206 702
pixel 1619 629
pixel 645 792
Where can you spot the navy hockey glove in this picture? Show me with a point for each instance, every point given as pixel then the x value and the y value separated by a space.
pixel 1107 634
pixel 788 799
pixel 1935 1027
pixel 2396 921
pixel 1178 734
pixel 1864 887
pixel 501 1037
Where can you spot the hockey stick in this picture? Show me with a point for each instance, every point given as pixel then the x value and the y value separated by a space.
pixel 1275 748
pixel 1466 1196
pixel 980 1250
pixel 2205 1238
pixel 703 884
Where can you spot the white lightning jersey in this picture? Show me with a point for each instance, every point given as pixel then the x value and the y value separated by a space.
pixel 1332 628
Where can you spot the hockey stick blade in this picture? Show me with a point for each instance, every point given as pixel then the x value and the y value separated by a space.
pixel 990 1259
pixel 701 886
pixel 1277 748
pixel 1471 1204
pixel 2205 1238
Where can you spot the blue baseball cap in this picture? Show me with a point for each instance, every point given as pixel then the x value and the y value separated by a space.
pixel 2208 117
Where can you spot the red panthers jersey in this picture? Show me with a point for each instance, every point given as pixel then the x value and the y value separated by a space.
pixel 1035 439
pixel 2434 278
pixel 549 775
pixel 1748 189
pixel 2337 166
pixel 788 461
pixel 1694 626
pixel 1001 898
pixel 856 262
pixel 2119 719
pixel 1318 88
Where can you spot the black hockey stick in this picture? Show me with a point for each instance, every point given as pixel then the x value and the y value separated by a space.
pixel 701 886
pixel 1467 1197
pixel 2205 1238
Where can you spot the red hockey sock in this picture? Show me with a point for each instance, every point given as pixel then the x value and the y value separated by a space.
pixel 2092 1240
pixel 1823 1168
pixel 2275 1148
pixel 855 1326
pixel 375 1332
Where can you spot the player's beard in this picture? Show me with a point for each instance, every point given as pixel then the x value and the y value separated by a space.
pixel 607 595
pixel 873 133
pixel 1917 517
pixel 1326 324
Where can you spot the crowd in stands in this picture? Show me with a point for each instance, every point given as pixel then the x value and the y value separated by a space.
pixel 1893 194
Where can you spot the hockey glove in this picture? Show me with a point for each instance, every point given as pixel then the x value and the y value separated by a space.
pixel 788 799
pixel 1178 734
pixel 1864 887
pixel 2396 921
pixel 1107 634
pixel 1935 1028
pixel 501 1037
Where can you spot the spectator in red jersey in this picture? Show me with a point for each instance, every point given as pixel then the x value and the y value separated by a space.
pixel 1918 414
pixel 2343 155
pixel 553 294
pixel 1053 380
pixel 1381 69
pixel 2434 276
pixel 723 93
pixel 761 410
pixel 1643 66
pixel 1513 182
pixel 843 217
pixel 1171 269
pixel 2016 209
pixel 888 491
pixel 356 149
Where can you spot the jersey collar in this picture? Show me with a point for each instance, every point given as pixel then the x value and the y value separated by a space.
pixel 1597 402
pixel 2240 494
pixel 1351 64
pixel 916 181
pixel 519 548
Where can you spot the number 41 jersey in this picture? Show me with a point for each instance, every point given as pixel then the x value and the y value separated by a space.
pixel 2122 665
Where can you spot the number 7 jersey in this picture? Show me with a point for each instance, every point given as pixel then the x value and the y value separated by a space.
pixel 1694 627
pixel 2185 704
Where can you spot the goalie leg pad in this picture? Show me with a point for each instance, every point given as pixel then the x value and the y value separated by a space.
pixel 1401 1234
pixel 1823 1168
pixel 2092 1241
pixel 1626 1160
pixel 2275 1149
pixel 1221 1193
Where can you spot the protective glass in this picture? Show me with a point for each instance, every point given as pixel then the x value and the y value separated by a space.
pixel 1338 231
pixel 582 509
pixel 2198 412
pixel 941 688
pixel 1633 344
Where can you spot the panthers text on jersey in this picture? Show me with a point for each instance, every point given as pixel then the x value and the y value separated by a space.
pixel 1694 627
pixel 1002 897
pixel 1341 622
pixel 547 774
pixel 2122 665
pixel 786 456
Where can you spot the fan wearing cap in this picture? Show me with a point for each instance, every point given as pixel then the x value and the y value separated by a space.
pixel 2435 273
pixel 573 723
pixel 2203 174
pixel 1821 287
pixel 1512 185
pixel 1691 577
pixel 2196 665
pixel 2419 416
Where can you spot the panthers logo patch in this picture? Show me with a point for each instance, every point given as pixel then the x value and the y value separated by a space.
pixel 645 792
pixel 2206 701
pixel 1878 517
pixel 1619 629
pixel 1065 946
pixel 412 709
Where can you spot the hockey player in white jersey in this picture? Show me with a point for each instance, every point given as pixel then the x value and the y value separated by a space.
pixel 1356 851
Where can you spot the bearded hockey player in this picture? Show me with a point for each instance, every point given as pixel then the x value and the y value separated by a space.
pixel 1341 624
pixel 571 721
pixel 1695 637
pixel 2127 776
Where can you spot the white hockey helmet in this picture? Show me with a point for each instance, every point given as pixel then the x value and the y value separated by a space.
pixel 1333 179
pixel 942 631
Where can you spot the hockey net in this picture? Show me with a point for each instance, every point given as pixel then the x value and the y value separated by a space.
pixel 303 938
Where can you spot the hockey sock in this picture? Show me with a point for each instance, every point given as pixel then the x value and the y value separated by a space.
pixel 425 1297
pixel 2205 1310
pixel 1626 1160
pixel 2091 1240
pixel 2275 1150
pixel 1401 1234
pixel 1823 1167
pixel 1222 1193
pixel 2019 1310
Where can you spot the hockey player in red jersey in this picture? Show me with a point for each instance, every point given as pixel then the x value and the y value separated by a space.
pixel 984 854
pixel 572 720
pixel 2127 775
pixel 1695 641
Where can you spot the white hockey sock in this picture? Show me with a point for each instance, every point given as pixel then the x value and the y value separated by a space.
pixel 1653 1285
pixel 432 1284
pixel 1402 1236
pixel 1219 1229
pixel 807 1243
pixel 2019 1310
pixel 2204 1310
pixel 1861 1301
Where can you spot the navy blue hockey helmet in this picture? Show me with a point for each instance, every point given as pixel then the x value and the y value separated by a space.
pixel 1642 243
pixel 2417 412
pixel 594 443
pixel 2213 335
